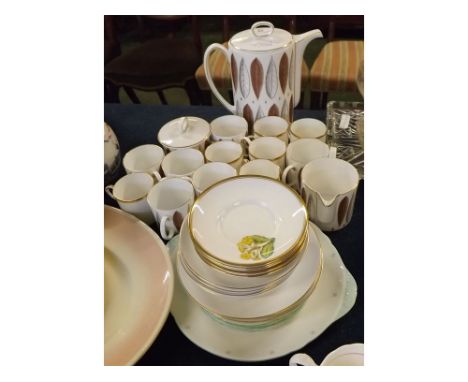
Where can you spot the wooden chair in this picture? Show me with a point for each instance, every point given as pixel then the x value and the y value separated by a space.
pixel 336 67
pixel 159 63
pixel 220 68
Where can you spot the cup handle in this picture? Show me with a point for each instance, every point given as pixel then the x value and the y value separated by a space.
pixel 247 140
pixel 284 177
pixel 332 152
pixel 157 175
pixel 162 226
pixel 301 359
pixel 209 79
pixel 110 191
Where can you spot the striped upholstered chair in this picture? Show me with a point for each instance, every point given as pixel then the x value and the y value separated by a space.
pixel 221 70
pixel 335 69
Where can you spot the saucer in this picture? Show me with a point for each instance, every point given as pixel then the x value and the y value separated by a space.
pixel 267 305
pixel 239 224
pixel 334 296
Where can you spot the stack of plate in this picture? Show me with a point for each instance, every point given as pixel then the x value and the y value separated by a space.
pixel 246 254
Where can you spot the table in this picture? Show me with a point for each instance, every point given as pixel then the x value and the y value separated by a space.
pixel 138 124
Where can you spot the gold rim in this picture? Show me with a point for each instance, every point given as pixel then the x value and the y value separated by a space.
pixel 273 136
pixel 130 201
pixel 235 160
pixel 277 258
pixel 298 137
pixel 282 155
pixel 248 270
pixel 213 287
pixel 281 312
pixel 193 144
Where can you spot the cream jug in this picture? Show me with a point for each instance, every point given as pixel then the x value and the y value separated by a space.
pixel 266 67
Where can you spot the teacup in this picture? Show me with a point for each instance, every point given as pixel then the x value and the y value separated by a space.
pixel 226 152
pixel 144 158
pixel 346 355
pixel 328 187
pixel 211 173
pixel 261 167
pixel 228 128
pixel 298 154
pixel 308 128
pixel 271 126
pixel 269 148
pixel 130 192
pixel 182 162
pixel 170 201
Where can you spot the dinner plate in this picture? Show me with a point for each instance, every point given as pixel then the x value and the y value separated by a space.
pixel 334 296
pixel 239 222
pixel 267 305
pixel 138 287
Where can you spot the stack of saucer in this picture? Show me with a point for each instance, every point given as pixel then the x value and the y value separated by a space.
pixel 246 254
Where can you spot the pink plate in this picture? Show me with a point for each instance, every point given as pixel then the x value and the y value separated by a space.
pixel 138 287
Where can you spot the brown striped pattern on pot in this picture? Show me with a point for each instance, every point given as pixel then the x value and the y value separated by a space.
pixel 248 115
pixel 256 74
pixel 283 71
pixel 342 209
pixel 273 110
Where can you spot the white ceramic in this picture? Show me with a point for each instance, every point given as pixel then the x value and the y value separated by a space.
pixel 144 158
pixel 271 127
pixel 228 128
pixel 226 152
pixel 329 187
pixel 138 287
pixel 130 192
pixel 261 167
pixel 266 65
pixel 226 216
pixel 221 281
pixel 211 173
pixel 308 128
pixel 269 148
pixel 183 162
pixel 298 154
pixel 111 154
pixel 184 132
pixel 170 201
pixel 300 282
pixel 346 355
pixel 333 297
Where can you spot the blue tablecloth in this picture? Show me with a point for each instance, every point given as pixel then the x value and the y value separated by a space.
pixel 139 124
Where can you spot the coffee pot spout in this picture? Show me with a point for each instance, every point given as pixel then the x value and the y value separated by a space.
pixel 301 41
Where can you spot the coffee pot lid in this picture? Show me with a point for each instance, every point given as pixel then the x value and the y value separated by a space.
pixel 263 36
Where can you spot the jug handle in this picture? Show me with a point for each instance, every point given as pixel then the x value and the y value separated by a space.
pixel 301 359
pixel 209 79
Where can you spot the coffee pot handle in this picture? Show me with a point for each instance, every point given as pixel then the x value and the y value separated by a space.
pixel 209 79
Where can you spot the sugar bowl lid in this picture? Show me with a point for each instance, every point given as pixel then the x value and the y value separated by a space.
pixel 184 132
pixel 263 36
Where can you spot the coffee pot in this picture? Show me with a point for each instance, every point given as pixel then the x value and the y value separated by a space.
pixel 266 65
